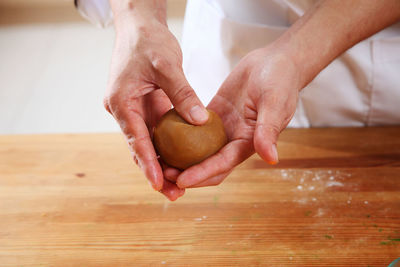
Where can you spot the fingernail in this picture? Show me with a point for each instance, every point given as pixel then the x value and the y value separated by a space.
pixel 199 114
pixel 274 155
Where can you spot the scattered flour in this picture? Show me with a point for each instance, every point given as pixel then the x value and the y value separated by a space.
pixel 300 187
pixel 333 183
pixel 302 201
pixel 320 212
pixel 316 180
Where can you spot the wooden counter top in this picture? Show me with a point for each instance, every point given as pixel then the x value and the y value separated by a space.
pixel 78 200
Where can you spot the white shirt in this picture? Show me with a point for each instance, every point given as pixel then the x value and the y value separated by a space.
pixel 360 88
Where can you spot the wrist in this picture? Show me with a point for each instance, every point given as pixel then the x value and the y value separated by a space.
pixel 287 49
pixel 308 53
pixel 306 61
pixel 138 13
pixel 329 28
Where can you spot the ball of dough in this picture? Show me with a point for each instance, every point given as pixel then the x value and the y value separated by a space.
pixel 182 145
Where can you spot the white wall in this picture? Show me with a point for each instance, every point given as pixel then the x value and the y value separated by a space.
pixel 53 76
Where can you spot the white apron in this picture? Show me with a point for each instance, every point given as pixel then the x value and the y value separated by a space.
pixel 360 88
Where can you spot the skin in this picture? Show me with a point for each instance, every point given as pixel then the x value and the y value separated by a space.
pixel 146 78
pixel 256 101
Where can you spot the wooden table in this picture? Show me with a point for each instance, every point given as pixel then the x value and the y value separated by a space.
pixel 78 200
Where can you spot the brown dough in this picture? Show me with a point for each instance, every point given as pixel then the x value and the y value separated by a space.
pixel 182 145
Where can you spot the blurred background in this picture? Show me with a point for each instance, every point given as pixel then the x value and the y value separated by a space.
pixel 54 67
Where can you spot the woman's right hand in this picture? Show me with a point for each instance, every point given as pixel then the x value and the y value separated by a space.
pixel 256 102
pixel 146 79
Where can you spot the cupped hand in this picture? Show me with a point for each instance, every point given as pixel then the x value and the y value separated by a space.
pixel 256 102
pixel 146 79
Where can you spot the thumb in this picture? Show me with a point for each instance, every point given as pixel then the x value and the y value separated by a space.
pixel 183 97
pixel 268 128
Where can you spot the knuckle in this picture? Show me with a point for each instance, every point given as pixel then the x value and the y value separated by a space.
pixel 112 102
pixel 162 60
pixel 106 104
pixel 275 130
pixel 161 64
pixel 183 93
pixel 269 129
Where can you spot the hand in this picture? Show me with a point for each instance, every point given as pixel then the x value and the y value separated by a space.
pixel 258 99
pixel 256 102
pixel 146 78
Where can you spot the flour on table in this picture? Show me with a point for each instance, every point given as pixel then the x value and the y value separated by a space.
pixel 310 181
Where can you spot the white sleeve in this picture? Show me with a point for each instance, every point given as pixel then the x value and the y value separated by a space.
pixel 97 12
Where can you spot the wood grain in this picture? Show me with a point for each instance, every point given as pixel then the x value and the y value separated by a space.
pixel 78 200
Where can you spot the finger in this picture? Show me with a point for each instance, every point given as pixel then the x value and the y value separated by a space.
pixel 268 127
pixel 170 173
pixel 140 145
pixel 182 96
pixel 171 191
pixel 216 180
pixel 223 161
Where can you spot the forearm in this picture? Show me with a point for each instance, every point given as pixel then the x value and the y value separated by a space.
pixel 333 26
pixel 138 12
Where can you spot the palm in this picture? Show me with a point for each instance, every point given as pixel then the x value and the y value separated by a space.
pixel 239 125
pixel 255 103
pixel 238 113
